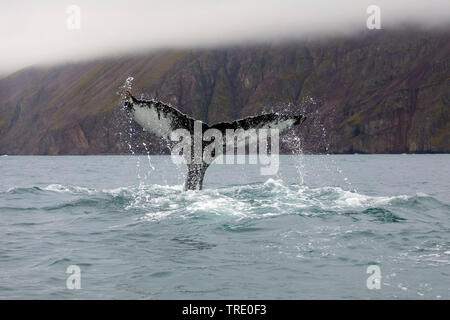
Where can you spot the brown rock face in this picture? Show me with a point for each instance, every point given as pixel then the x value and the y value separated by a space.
pixel 378 92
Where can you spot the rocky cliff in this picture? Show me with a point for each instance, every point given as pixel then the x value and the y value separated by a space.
pixel 377 92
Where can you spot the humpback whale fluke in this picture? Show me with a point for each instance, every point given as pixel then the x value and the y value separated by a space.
pixel 161 120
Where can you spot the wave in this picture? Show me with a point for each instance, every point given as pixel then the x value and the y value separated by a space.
pixel 270 199
pixel 20 190
pixel 69 189
pixel 252 201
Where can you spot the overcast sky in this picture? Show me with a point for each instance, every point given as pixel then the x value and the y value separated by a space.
pixel 36 32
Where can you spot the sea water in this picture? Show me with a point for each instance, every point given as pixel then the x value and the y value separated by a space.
pixel 316 229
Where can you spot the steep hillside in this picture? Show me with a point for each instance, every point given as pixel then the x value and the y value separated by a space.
pixel 379 92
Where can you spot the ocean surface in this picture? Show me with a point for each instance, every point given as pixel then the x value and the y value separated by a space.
pixel 312 231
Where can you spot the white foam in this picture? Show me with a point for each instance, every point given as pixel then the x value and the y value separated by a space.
pixel 272 198
pixel 155 216
pixel 117 191
pixel 276 182
pixel 69 189
pixel 354 199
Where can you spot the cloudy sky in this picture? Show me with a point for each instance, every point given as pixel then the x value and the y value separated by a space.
pixel 37 32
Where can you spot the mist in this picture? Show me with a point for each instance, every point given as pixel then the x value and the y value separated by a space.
pixel 43 32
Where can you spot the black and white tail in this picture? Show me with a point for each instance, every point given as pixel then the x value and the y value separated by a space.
pixel 161 120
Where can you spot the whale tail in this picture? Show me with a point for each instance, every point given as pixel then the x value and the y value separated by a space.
pixel 161 120
pixel 195 175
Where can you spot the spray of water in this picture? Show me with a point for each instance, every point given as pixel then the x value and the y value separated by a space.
pixel 128 84
pixel 143 172
pixel 317 133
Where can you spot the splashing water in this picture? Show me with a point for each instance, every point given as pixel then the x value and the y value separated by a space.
pixel 127 86
pixel 143 174
pixel 316 131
